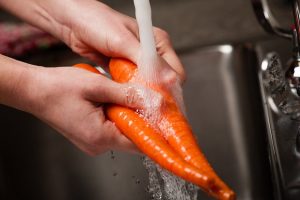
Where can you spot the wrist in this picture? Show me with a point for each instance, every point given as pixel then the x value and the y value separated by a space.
pixel 49 15
pixel 16 83
pixel 53 16
pixel 28 91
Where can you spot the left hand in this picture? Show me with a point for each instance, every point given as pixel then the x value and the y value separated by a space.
pixel 92 29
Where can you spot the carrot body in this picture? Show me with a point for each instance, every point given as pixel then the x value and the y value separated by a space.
pixel 152 143
pixel 175 129
pixel 87 67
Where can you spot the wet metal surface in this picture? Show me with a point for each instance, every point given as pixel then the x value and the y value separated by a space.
pixel 283 131
pixel 225 111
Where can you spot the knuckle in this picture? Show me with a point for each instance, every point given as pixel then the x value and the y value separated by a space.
pixel 112 43
pixel 163 41
pixel 162 38
pixel 170 78
pixel 98 142
pixel 76 45
pixel 93 139
pixel 96 88
pixel 181 76
pixel 91 152
pixel 162 33
pixel 96 149
pixel 115 42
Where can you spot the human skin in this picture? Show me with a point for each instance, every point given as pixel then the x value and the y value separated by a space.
pixel 71 100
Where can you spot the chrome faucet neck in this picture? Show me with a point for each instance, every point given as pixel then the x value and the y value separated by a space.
pixel 267 20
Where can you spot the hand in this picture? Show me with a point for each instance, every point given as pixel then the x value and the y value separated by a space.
pixel 102 32
pixel 102 29
pixel 92 29
pixel 71 101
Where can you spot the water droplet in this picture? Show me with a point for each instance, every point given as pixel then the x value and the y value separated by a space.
pixel 142 158
pixel 137 181
pixel 112 155
pixel 115 174
pixel 147 189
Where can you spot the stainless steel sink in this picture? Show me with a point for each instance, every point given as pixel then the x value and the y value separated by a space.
pixel 224 108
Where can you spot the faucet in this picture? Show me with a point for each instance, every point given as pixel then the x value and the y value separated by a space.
pixel 282 85
pixel 267 20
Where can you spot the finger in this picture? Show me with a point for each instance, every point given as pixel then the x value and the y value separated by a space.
pixel 172 59
pixel 132 26
pixel 131 52
pixel 119 141
pixel 108 137
pixel 129 48
pixel 104 90
pixel 166 51
pixel 122 143
pixel 100 136
pixel 121 45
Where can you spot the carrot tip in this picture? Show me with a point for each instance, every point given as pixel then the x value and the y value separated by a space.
pixel 228 195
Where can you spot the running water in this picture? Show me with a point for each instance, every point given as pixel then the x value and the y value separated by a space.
pixel 162 184
pixel 166 186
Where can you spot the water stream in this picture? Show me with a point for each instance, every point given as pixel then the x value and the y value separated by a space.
pixel 166 186
pixel 162 184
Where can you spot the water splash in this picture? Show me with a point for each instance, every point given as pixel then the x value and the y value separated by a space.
pixel 112 155
pixel 166 186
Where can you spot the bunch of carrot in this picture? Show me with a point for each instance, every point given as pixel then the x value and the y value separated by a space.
pixel 174 147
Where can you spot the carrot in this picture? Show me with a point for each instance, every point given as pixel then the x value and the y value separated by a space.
pixel 87 67
pixel 175 129
pixel 152 143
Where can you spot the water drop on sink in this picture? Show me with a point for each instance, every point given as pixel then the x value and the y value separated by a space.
pixel 112 155
pixel 115 174
pixel 142 158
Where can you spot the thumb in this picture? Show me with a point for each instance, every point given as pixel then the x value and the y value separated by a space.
pixel 126 94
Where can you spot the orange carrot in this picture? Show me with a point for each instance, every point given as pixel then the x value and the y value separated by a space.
pixel 175 129
pixel 87 67
pixel 152 143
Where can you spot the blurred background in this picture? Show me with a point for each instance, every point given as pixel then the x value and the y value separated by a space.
pixel 193 24
pixel 222 98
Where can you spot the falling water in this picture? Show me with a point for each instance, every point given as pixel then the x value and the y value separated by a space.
pixel 166 186
pixel 162 184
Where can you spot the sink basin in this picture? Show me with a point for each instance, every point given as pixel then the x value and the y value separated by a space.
pixel 224 107
pixel 225 111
